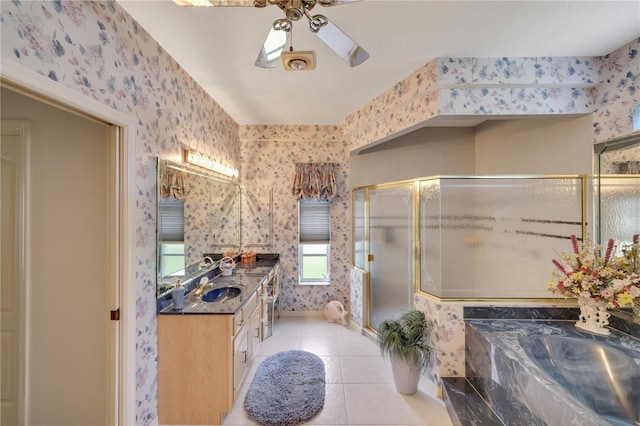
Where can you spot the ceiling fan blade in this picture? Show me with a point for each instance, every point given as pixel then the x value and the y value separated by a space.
pixel 274 44
pixel 342 44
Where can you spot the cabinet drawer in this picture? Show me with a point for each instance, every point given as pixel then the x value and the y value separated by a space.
pixel 249 307
pixel 242 316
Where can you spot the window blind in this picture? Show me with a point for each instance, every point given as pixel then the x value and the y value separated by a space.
pixel 314 221
pixel 171 220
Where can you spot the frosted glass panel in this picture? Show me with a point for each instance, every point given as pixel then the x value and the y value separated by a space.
pixel 391 243
pixel 619 207
pixel 495 237
pixel 430 237
pixel 359 233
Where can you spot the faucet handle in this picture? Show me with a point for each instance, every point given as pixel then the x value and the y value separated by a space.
pixel 201 286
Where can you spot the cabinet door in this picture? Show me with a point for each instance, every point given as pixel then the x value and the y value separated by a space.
pixel 255 331
pixel 240 360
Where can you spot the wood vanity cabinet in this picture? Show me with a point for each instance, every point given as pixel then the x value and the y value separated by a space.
pixel 203 361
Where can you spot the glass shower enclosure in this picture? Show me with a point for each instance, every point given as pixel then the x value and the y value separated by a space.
pixel 462 238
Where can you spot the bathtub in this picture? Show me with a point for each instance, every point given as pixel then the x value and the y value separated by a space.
pixel 604 377
pixel 550 373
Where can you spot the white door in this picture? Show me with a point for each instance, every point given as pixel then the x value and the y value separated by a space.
pixel 12 369
pixel 69 365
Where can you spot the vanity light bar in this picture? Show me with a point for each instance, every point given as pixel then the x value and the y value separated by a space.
pixel 201 160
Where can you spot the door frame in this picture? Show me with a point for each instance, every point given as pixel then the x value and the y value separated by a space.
pixel 122 171
pixel 22 129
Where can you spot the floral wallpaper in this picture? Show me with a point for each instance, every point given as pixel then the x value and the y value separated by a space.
pixel 356 306
pixel 97 49
pixel 448 322
pixel 211 218
pixel 269 154
pixel 507 86
pixel 618 93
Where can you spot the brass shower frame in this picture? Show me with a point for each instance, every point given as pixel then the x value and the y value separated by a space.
pixel 417 245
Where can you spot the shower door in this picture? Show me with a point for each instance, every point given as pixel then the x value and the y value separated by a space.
pixel 391 243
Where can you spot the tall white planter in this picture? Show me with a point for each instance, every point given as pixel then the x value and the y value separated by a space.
pixel 406 377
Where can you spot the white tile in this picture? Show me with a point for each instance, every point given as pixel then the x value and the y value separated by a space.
pixel 374 404
pixel 257 360
pixel 320 345
pixel 275 344
pixel 320 327
pixel 332 369
pixel 367 397
pixel 288 326
pixel 334 411
pixel 426 409
pixel 357 344
pixel 365 369
pixel 238 416
pixel 348 331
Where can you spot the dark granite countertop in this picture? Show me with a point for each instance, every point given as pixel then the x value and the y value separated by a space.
pixel 246 276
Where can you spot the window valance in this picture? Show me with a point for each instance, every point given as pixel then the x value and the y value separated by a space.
pixel 173 183
pixel 315 180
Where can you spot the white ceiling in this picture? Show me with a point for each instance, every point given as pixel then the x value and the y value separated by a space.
pixel 218 46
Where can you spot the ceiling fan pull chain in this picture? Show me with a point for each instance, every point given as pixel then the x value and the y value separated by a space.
pixel 317 21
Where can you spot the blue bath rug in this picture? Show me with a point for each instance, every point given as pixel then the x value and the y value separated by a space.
pixel 288 389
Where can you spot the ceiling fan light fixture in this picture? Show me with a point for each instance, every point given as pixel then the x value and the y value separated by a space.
pixel 298 61
pixel 293 9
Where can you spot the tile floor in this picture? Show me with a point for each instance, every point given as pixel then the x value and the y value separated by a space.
pixel 359 386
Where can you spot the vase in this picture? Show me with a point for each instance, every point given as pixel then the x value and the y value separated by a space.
pixel 635 307
pixel 593 316
pixel 406 377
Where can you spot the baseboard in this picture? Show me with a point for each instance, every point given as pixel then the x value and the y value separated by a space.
pixel 353 326
pixel 302 314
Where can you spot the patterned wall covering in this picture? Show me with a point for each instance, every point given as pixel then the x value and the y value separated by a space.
pixel 211 218
pixel 98 50
pixel 619 93
pixel 448 322
pixel 506 86
pixel 356 307
pixel 269 154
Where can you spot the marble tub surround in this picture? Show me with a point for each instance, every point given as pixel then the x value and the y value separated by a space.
pixel 624 320
pixel 511 364
pixel 465 405
pixel 521 312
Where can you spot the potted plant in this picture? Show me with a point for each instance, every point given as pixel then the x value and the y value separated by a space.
pixel 406 342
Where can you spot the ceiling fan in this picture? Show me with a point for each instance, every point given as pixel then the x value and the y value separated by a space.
pixel 280 31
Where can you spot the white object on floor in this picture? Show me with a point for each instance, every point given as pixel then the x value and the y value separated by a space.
pixel 334 312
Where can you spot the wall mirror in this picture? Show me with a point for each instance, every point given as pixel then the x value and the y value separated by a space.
pixel 197 213
pixel 257 218
pixel 617 190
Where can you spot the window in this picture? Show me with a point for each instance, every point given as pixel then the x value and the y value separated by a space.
pixel 172 259
pixel 171 229
pixel 314 238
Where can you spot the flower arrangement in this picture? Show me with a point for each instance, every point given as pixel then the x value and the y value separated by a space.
pixel 586 274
